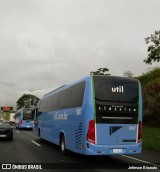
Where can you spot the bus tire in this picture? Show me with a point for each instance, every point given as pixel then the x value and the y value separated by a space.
pixel 62 145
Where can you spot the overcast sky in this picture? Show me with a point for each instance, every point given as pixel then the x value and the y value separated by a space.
pixel 48 43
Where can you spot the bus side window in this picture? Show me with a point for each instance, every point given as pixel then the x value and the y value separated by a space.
pixel 77 94
pixel 66 101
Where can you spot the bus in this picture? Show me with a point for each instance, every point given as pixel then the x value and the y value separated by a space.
pixel 97 115
pixel 25 118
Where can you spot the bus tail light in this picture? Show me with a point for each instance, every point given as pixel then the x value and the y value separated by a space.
pixel 21 122
pixel 35 122
pixel 139 131
pixel 91 132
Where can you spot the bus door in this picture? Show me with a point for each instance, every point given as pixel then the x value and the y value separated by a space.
pixel 43 125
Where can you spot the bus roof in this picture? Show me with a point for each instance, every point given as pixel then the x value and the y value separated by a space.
pixel 54 90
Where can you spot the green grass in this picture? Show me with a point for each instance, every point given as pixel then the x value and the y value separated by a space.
pixel 151 138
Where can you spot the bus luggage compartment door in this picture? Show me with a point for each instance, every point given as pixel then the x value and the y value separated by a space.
pixel 116 134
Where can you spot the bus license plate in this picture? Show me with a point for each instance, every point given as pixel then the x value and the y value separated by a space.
pixel 117 151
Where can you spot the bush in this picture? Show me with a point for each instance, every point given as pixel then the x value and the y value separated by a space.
pixel 151 96
pixel 151 138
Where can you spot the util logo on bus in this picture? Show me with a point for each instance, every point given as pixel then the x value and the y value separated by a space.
pixel 118 89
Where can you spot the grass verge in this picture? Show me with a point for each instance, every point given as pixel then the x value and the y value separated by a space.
pixel 151 138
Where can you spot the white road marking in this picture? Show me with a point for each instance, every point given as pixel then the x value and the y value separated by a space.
pixel 35 143
pixel 141 160
pixel 18 132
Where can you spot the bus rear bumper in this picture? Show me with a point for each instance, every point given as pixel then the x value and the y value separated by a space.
pixel 25 127
pixel 93 149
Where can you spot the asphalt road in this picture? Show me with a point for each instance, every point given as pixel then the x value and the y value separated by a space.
pixel 26 149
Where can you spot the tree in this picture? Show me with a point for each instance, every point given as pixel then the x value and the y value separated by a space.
pixel 27 100
pixel 100 71
pixel 154 48
pixel 128 74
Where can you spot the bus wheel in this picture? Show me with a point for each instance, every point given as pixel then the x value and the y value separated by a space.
pixel 62 145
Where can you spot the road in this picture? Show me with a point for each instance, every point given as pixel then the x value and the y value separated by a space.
pixel 27 148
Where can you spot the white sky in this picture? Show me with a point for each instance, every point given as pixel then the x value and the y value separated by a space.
pixel 48 43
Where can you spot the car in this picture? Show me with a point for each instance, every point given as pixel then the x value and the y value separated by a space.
pixel 6 131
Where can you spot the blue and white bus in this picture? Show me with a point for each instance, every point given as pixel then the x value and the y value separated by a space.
pixel 25 118
pixel 97 115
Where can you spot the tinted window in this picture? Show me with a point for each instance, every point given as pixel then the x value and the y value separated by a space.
pixel 69 98
pixel 108 88
pixel 66 95
pixel 77 95
pixel 57 101
pixel 27 115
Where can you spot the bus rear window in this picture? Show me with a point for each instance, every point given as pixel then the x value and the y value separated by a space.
pixel 27 115
pixel 115 89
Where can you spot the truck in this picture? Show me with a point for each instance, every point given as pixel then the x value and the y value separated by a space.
pixel 12 118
